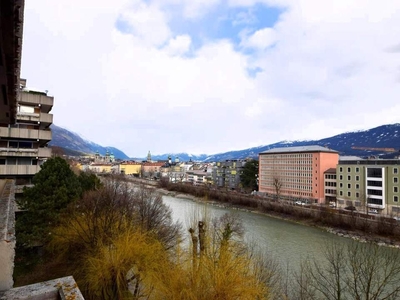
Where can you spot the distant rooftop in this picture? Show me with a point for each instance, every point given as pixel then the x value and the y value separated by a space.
pixel 350 157
pixel 311 148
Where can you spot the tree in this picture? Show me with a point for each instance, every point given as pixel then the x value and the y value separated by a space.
pixel 94 226
pixel 277 183
pixel 55 186
pixel 219 266
pixel 89 181
pixel 249 175
pixel 354 271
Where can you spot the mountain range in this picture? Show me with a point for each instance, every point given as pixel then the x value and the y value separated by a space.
pixel 73 144
pixel 371 142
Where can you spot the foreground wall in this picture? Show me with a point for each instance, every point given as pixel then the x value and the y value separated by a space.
pixel 7 233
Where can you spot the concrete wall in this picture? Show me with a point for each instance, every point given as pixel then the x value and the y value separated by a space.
pixel 7 233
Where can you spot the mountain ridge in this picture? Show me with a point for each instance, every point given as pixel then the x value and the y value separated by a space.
pixel 384 136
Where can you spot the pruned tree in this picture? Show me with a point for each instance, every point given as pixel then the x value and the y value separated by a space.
pixel 221 269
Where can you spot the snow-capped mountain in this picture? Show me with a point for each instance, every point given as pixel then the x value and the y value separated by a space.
pixel 385 136
pixel 69 140
pixel 349 143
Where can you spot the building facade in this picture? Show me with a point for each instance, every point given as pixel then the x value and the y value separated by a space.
pixel 330 185
pixel 24 144
pixel 369 184
pixel 227 173
pixel 296 172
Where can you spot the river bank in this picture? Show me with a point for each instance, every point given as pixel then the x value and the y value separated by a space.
pixel 351 234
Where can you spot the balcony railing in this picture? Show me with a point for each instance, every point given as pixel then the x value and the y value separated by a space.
pixel 33 98
pixel 35 117
pixel 23 133
pixel 19 170
pixel 26 152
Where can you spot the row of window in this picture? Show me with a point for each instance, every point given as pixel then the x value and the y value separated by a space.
pixel 357 169
pixel 303 155
pixel 329 191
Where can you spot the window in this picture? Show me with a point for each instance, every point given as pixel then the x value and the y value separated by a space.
pixel 341 193
pixel 348 170
pixel 358 195
pixel 349 177
pixel 357 178
pixel 395 180
pixel 395 198
pixel 348 194
pixel 395 170
pixel 357 169
pixel 349 185
pixel 395 189
pixel 341 185
pixel 341 177
pixel 340 169
pixel 357 186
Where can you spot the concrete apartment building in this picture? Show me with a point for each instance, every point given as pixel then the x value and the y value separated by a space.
pixel 19 145
pixel 369 184
pixel 330 185
pixel 227 173
pixel 23 144
pixel 297 173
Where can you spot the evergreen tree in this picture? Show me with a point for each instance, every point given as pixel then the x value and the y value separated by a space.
pixel 55 186
pixel 249 175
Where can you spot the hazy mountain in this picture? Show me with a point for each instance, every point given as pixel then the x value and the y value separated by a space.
pixel 69 140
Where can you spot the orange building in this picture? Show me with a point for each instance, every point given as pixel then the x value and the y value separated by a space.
pixel 296 173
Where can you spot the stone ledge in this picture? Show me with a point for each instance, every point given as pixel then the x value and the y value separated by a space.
pixel 64 288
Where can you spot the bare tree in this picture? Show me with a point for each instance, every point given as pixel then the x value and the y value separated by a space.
pixel 277 183
pixel 354 271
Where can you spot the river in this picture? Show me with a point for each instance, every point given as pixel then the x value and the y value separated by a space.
pixel 286 241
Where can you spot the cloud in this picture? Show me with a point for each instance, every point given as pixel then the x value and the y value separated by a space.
pixel 122 75
pixel 261 39
pixel 178 45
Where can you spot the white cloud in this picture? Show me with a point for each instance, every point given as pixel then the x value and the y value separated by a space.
pixel 334 67
pixel 261 39
pixel 178 45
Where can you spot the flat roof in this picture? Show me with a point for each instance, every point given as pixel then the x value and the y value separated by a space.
pixel 381 162
pixel 310 148
pixel 330 170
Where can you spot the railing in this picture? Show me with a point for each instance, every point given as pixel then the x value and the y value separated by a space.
pixel 19 170
pixel 26 152
pixel 35 117
pixel 33 98
pixel 24 133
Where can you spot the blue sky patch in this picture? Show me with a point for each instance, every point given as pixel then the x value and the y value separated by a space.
pixel 224 22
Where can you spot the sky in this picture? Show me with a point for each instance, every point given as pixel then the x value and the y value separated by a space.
pixel 210 76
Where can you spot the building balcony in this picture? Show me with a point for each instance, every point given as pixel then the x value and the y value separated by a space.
pixel 19 169
pixel 26 152
pixel 23 133
pixel 35 117
pixel 40 99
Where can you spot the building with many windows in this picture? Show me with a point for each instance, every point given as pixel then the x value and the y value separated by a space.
pixel 227 173
pixel 369 184
pixel 296 172
pixel 23 145
pixel 330 185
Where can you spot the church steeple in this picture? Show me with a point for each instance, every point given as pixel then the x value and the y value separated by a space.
pixel 149 156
